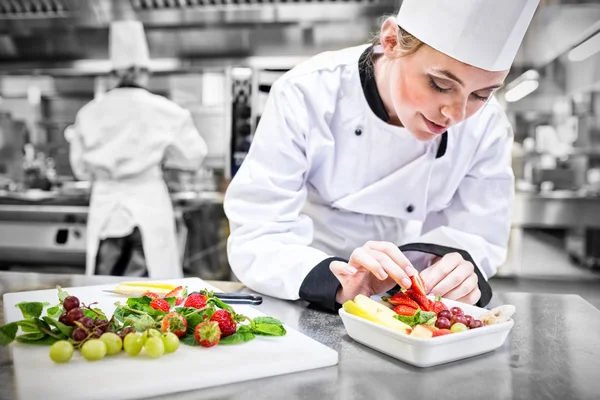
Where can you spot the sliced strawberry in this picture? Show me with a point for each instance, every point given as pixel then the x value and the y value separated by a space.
pixel 150 294
pixel 405 310
pixel 175 292
pixel 424 303
pixel 418 285
pixel 401 298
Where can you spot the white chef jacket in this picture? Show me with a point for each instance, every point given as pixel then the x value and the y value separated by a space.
pixel 325 174
pixel 119 141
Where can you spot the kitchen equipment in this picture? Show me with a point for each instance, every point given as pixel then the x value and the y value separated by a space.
pixel 229 298
pixel 427 352
pixel 125 377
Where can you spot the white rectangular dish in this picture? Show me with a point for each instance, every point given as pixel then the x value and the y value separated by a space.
pixel 427 352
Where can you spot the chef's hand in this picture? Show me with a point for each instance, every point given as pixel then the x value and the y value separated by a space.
pixel 373 268
pixel 452 277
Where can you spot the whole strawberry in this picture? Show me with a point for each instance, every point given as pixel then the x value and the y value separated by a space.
pixel 438 305
pixel 195 300
pixel 225 321
pixel 207 333
pixel 174 322
pixel 160 304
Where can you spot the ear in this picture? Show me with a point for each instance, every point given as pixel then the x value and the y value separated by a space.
pixel 389 37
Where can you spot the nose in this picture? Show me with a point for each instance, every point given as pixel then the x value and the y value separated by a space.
pixel 455 111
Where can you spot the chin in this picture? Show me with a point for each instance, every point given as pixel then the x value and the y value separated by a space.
pixel 422 135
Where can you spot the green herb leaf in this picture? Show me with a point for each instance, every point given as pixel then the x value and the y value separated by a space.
pixel 185 292
pixel 8 333
pixel 268 330
pixel 55 312
pixel 135 302
pixel 28 325
pixel 267 320
pixel 42 325
pixel 120 314
pixel 44 341
pixel 171 300
pixel 63 329
pixel 97 314
pixel 237 338
pixel 62 295
pixel 30 337
pixel 244 328
pixel 221 304
pixel 31 309
pixel 425 316
pixel 419 318
pixel 189 340
pixel 140 322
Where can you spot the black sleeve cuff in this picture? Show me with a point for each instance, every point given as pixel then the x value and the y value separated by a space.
pixel 440 251
pixel 320 286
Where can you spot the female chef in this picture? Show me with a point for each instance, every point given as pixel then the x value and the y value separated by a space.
pixel 119 142
pixel 357 147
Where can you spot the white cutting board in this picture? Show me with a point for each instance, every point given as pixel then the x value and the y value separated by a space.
pixel 125 377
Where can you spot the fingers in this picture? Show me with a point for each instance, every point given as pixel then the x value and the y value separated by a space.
pixel 395 254
pixel 374 257
pixel 440 270
pixel 339 268
pixel 472 298
pixel 463 289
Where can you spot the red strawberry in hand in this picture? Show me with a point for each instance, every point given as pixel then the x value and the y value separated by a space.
pixel 225 321
pixel 160 304
pixel 424 303
pixel 405 310
pixel 207 333
pixel 418 285
pixel 195 300
pixel 174 322
pixel 402 299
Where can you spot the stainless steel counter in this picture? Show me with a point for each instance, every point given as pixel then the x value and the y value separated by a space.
pixel 553 352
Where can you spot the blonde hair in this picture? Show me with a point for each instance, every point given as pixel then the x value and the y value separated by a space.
pixel 407 43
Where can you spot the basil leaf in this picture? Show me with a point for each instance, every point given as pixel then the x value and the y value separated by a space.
pixel 189 340
pixel 237 338
pixel 268 330
pixel 8 333
pixel 31 337
pixel 31 310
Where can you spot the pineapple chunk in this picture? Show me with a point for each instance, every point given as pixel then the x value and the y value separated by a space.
pixel 364 307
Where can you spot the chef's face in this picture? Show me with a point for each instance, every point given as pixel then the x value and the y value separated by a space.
pixel 430 91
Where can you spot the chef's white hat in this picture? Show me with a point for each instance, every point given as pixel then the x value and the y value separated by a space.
pixel 482 33
pixel 128 46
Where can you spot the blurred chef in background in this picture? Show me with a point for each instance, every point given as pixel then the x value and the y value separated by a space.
pixel 356 146
pixel 119 142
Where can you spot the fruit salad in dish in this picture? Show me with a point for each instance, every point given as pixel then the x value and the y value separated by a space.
pixel 412 313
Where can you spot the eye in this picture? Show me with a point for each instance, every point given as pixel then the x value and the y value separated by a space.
pixel 436 87
pixel 480 98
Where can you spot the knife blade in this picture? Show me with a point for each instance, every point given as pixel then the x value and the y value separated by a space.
pixel 229 298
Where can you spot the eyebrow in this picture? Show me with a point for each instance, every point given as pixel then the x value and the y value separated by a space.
pixel 450 75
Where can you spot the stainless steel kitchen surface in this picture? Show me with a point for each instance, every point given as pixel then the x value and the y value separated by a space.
pixel 551 353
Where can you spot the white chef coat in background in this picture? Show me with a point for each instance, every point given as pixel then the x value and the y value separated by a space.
pixel 119 141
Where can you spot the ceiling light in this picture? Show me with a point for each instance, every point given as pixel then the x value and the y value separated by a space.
pixel 522 86
pixel 586 49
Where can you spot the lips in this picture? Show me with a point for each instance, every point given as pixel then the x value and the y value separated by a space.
pixel 433 127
